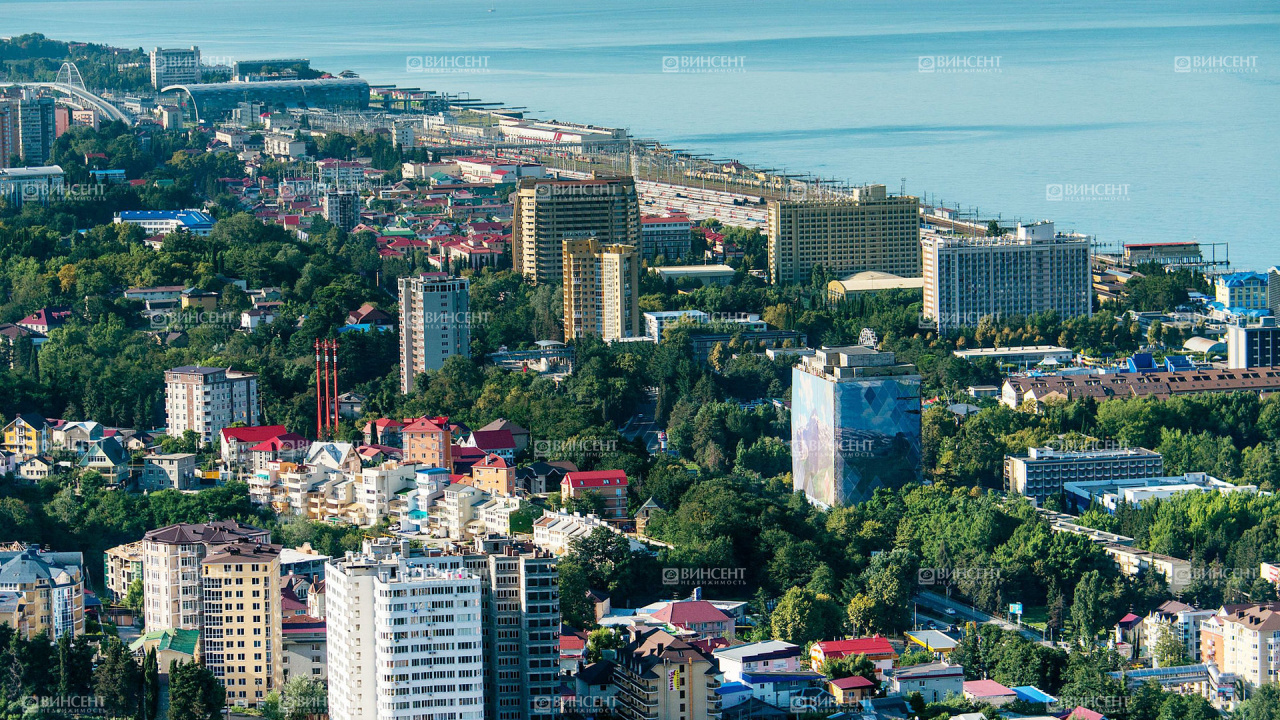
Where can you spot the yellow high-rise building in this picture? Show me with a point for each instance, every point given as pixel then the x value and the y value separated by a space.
pixel 601 289
pixel 548 211
pixel 242 637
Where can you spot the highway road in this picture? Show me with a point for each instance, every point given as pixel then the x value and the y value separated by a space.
pixel 965 613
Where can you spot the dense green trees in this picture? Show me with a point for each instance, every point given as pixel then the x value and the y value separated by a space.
pixel 194 692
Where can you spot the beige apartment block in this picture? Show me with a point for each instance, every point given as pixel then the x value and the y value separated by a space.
pixel 868 230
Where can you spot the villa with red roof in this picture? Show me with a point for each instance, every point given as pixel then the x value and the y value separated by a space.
pixel 610 485
pixel 289 447
pixel 876 648
pixel 428 441
pixel 697 616
pixel 45 319
pixel 236 442
pixel 494 475
pixel 499 442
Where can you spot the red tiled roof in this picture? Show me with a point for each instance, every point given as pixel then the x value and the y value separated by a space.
pixel 853 682
pixel 288 441
pixel 596 478
pixel 493 460
pixel 254 434
pixel 874 645
pixel 490 440
pixel 688 612
pixel 422 425
pixel 986 688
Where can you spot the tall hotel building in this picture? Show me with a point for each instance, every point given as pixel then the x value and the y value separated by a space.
pixel 1033 270
pixel 435 323
pixel 855 424
pixel 498 657
pixel 869 230
pixel 1041 473
pixel 548 211
pixel 601 289
pixel 206 400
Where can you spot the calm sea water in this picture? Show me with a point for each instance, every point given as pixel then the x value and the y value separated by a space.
pixel 1087 94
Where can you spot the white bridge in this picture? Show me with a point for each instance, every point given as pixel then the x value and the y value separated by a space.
pixel 69 83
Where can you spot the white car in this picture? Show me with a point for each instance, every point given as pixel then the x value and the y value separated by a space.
pixel 951 611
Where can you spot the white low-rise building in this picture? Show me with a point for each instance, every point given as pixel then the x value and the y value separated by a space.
pixel 556 531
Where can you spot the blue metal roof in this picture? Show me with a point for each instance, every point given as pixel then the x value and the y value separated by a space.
pixel 1031 693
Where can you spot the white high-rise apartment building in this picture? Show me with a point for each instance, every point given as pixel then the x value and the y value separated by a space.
pixel 1032 270
pixel 206 400
pixel 179 66
pixel 520 611
pixel 406 640
pixel 435 323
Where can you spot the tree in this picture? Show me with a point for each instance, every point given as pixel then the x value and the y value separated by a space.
pixel 1264 705
pixel 848 666
pixel 133 599
pixel 118 679
pixel 603 639
pixel 302 698
pixel 1169 650
pixel 151 685
pixel 575 608
pixel 802 617
pixel 993 228
pixel 194 693
pixel 1090 610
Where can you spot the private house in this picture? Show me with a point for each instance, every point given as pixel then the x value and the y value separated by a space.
pixel 77 436
pixel 494 475
pixel 766 656
pixel 934 681
pixel 876 648
pixel 428 441
pixel 108 458
pixel 661 676
pixel 27 435
pixel 498 442
pixel 518 434
pixel 289 447
pixel 176 471
pixel 170 644
pixel 383 431
pixel 36 467
pixel 46 319
pixel 234 442
pixel 540 477
pixel 697 616
pixel 50 590
pixel 852 689
pixel 610 485
pixel 988 691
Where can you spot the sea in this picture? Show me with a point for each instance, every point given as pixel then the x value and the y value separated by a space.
pixel 1130 120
